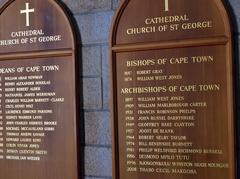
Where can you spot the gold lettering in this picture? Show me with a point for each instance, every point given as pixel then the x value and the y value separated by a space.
pixel 139 63
pixel 141 30
pixel 166 5
pixel 166 19
pixel 197 25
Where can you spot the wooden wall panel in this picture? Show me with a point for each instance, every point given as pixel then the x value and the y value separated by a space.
pixel 172 90
pixel 38 96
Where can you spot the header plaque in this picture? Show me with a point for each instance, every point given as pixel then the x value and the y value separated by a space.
pixel 172 90
pixel 38 124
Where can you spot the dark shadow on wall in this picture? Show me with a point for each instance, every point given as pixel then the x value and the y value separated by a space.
pixel 79 95
pixel 236 64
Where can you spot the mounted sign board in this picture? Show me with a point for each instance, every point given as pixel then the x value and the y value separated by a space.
pixel 172 90
pixel 38 125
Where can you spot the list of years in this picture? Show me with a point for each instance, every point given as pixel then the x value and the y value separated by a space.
pixel 160 110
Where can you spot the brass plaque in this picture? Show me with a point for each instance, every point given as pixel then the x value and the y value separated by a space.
pixel 172 91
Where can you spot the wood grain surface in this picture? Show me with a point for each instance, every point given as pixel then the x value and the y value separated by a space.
pixel 41 61
pixel 172 89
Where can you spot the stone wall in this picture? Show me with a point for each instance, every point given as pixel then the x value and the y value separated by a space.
pixel 94 18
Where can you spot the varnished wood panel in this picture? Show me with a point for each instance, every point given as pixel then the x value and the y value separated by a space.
pixel 38 111
pixel 49 19
pixel 188 13
pixel 172 90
